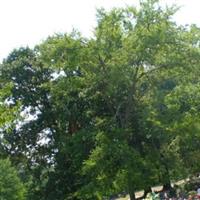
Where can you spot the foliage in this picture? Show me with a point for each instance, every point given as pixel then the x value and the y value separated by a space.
pixel 86 118
pixel 11 187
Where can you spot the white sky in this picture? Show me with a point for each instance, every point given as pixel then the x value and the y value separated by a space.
pixel 28 22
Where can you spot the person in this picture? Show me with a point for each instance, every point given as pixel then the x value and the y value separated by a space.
pixel 198 192
pixel 190 197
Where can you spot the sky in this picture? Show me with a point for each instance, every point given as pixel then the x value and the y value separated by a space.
pixel 29 22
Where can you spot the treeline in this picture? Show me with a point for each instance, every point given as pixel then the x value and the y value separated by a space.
pixel 118 112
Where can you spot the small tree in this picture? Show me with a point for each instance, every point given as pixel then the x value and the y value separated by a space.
pixel 11 187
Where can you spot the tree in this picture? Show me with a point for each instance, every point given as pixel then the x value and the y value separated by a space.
pixel 11 187
pixel 25 75
pixel 132 63
pixel 100 109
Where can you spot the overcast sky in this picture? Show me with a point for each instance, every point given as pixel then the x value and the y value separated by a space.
pixel 28 22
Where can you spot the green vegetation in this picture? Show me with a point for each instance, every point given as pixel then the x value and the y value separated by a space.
pixel 11 188
pixel 88 118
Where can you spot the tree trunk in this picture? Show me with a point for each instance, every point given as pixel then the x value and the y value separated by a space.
pixel 146 191
pixel 132 195
pixel 167 182
pixel 167 186
pixel 166 175
pixel 131 190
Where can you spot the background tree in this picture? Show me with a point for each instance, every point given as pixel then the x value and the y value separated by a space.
pixel 11 187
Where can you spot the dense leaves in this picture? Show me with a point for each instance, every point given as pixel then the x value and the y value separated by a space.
pixel 119 112
pixel 11 187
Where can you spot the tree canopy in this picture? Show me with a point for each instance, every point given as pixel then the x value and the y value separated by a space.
pixel 86 118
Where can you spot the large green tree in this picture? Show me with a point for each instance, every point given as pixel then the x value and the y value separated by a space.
pixel 106 114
